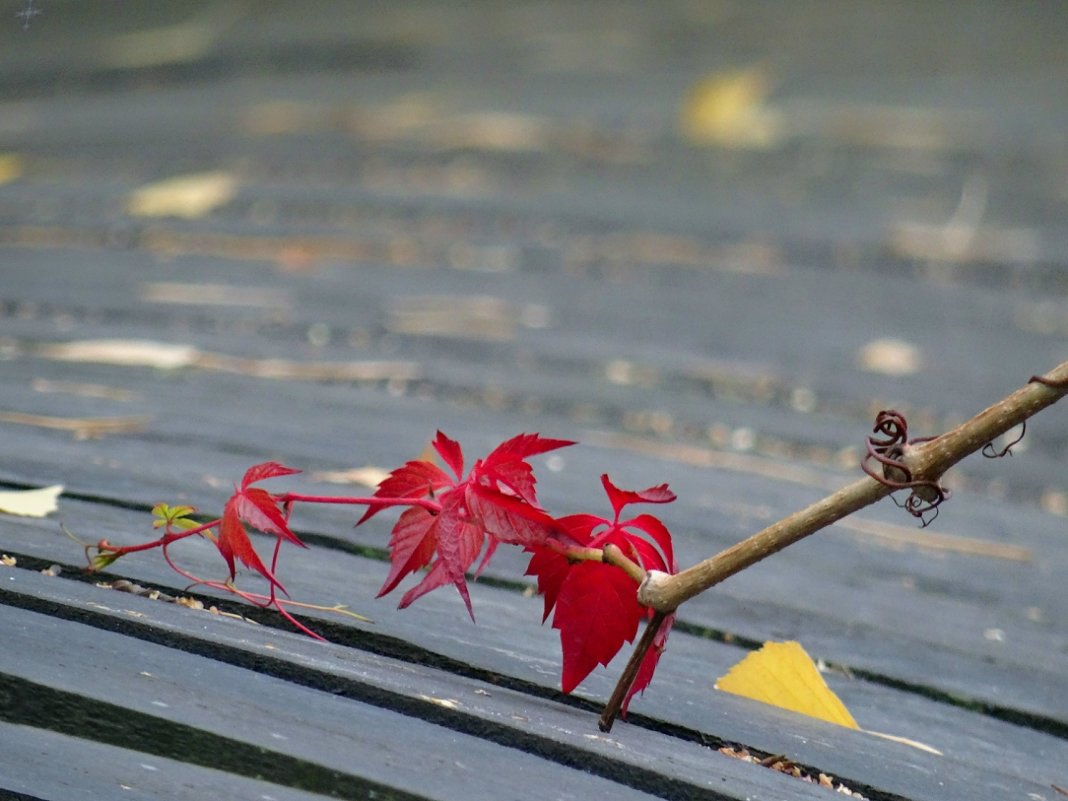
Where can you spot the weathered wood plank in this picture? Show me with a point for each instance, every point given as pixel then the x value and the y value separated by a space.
pixel 42 765
pixel 508 643
pixel 354 713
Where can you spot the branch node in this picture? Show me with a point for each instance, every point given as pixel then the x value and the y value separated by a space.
pixel 614 556
pixel 654 589
pixel 889 445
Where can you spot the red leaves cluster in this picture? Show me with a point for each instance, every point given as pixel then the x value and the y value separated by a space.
pixel 596 604
pixel 452 519
pixel 496 502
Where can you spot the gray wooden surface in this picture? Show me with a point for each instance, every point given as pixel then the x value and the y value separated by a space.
pixel 488 219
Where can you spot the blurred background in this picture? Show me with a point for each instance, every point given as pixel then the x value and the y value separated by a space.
pixel 689 220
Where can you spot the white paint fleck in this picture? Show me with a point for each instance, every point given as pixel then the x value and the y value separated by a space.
pixel 994 635
pixel 743 439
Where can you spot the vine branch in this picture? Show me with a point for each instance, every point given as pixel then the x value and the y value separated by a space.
pixel 924 461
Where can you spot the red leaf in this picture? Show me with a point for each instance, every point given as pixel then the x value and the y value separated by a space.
pixel 580 528
pixel 620 498
pixel 233 541
pixel 649 662
pixel 450 452
pixel 491 546
pixel 266 470
pixel 416 479
pixel 597 611
pixel 496 500
pixel 659 534
pixel 458 545
pixel 507 464
pixel 596 604
pixel 411 546
pixel 550 568
pixel 258 508
pixel 522 447
pixel 507 518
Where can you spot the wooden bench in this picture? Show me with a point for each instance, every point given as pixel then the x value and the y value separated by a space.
pixel 471 219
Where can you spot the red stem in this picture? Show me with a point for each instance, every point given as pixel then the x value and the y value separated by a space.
pixel 426 503
pixel 162 542
pixel 253 598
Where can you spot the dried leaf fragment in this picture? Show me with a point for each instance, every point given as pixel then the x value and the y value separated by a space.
pixel 30 503
pixel 81 427
pixel 174 356
pixel 10 167
pixel 890 356
pixel 728 109
pixel 367 476
pixel 188 196
pixel 124 352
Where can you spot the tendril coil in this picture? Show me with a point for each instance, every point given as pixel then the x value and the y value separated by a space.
pixel 886 445
pixel 989 451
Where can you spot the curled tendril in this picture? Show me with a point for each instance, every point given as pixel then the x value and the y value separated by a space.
pixel 990 453
pixel 886 445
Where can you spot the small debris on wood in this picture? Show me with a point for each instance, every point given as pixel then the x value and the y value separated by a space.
pixel 124 585
pixel 782 764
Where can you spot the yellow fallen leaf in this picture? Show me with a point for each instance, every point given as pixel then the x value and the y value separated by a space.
pixel 10 167
pixel 30 503
pixel 189 196
pixel 728 109
pixel 783 675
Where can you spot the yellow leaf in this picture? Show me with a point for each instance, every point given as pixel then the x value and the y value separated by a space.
pixel 188 196
pixel 782 674
pixel 10 167
pixel 30 503
pixel 728 109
